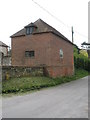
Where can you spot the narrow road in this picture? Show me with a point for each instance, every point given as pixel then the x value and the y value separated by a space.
pixel 69 100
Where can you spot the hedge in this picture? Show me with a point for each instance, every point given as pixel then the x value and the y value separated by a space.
pixel 81 62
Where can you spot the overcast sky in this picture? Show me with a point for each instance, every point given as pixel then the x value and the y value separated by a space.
pixel 15 14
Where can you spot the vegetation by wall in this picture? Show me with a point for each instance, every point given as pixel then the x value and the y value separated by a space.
pixel 15 71
pixel 81 59
pixel 25 84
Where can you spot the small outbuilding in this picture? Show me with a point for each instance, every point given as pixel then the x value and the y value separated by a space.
pixel 5 59
pixel 3 49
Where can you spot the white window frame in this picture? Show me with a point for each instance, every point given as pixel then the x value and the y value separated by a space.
pixel 61 53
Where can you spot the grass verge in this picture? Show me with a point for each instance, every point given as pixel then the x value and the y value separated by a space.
pixel 24 84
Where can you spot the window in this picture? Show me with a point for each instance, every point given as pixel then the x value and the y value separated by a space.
pixel 29 30
pixel 61 53
pixel 29 53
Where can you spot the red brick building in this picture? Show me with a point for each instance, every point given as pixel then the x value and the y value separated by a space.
pixel 39 44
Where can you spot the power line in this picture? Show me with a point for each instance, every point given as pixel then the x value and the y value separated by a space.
pixel 51 14
pixel 81 34
pixel 58 19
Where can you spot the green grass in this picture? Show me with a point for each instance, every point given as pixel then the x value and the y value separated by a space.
pixel 24 84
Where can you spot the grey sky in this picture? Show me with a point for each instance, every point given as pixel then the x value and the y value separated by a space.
pixel 15 14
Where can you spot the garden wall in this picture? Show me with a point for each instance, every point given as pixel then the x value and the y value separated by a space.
pixel 15 71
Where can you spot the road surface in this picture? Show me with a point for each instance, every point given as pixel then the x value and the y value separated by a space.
pixel 69 100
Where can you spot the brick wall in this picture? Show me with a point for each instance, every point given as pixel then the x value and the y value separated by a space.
pixel 61 66
pixel 46 47
pixel 40 43
pixel 58 71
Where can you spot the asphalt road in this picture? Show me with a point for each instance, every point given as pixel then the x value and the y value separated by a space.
pixel 69 100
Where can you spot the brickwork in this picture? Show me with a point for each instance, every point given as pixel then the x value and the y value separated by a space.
pixel 46 47
pixel 40 43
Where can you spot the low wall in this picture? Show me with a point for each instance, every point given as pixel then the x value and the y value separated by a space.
pixel 51 71
pixel 14 71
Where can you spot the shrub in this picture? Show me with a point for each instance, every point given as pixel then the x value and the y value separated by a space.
pixel 81 59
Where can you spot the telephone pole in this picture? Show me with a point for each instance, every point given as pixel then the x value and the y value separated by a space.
pixel 73 47
pixel 72 35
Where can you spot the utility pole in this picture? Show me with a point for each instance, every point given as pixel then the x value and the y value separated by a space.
pixel 72 35
pixel 73 48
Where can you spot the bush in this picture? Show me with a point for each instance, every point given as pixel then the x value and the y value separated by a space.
pixel 81 62
pixel 81 59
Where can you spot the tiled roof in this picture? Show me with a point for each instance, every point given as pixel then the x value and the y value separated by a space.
pixel 31 25
pixel 3 44
pixel 84 43
pixel 42 27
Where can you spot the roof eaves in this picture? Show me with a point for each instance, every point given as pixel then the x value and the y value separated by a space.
pixel 62 37
pixel 13 36
pixel 4 45
pixel 42 32
pixel 16 34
